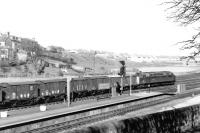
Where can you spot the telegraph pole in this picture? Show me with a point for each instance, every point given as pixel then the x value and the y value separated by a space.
pixel 130 84
pixel 94 61
pixel 68 91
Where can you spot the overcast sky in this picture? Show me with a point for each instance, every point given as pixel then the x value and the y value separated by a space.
pixel 132 26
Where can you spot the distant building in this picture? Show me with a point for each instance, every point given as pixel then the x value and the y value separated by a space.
pixel 17 48
pixel 55 63
pixel 78 68
pixel 8 46
pixel 73 51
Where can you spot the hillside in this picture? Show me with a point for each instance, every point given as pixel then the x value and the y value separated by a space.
pixel 24 57
pixel 79 62
pixel 105 62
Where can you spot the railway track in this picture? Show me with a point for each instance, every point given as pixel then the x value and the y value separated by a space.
pixel 77 123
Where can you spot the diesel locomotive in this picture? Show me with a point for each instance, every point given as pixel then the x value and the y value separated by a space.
pixel 17 94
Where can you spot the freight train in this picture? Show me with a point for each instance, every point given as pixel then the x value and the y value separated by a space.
pixel 17 94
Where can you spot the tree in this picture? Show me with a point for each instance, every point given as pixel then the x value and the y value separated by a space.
pixel 56 49
pixel 31 46
pixel 187 12
pixel 5 69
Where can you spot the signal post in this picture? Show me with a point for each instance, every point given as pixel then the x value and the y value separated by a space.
pixel 130 84
pixel 122 73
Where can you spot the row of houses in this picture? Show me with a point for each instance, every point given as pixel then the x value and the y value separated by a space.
pixel 13 47
pixel 18 48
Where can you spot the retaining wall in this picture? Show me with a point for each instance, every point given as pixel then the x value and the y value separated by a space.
pixel 177 120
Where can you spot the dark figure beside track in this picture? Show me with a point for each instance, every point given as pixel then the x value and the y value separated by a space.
pixel 118 88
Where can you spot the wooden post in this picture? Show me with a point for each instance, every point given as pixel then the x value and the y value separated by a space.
pixel 68 91
pixel 130 85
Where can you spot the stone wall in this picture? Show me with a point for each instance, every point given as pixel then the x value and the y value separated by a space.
pixel 177 120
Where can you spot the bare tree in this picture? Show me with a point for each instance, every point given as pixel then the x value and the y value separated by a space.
pixel 186 12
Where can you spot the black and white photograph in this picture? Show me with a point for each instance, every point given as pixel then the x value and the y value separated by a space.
pixel 99 66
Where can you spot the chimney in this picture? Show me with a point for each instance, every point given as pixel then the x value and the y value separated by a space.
pixel 8 33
